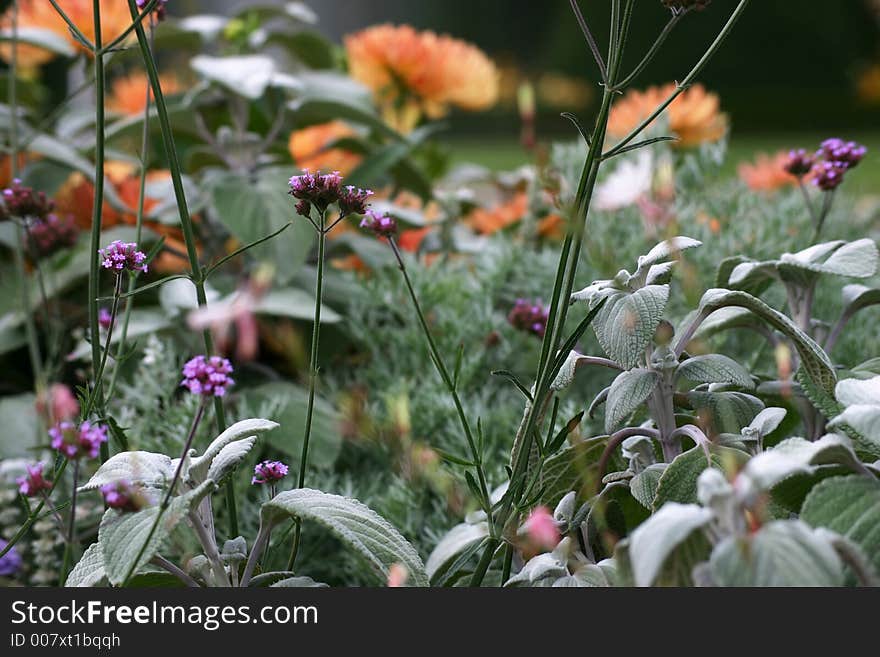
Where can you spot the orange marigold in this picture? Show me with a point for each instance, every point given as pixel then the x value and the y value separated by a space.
pixel 412 73
pixel 499 217
pixel 128 95
pixel 767 173
pixel 115 19
pixel 695 117
pixel 309 148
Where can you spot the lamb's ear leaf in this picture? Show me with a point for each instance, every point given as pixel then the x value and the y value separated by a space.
pixel 813 359
pixel 89 570
pixel 141 468
pixel 781 553
pixel 628 391
pixel 121 535
pixel 798 456
pixel 678 483
pixel 627 322
pixel 199 466
pixel 355 524
pixel 714 368
pixel 456 541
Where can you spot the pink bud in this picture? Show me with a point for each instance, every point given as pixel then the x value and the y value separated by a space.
pixel 541 528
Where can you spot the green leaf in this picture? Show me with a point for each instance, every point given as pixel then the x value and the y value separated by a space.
pixel 626 324
pixel 628 391
pixel 724 412
pixel 853 259
pixel 456 541
pixel 89 570
pixel 140 468
pixel 651 544
pixel 782 553
pixel 678 483
pixel 863 418
pixel 849 506
pixel 121 535
pixel 299 582
pixel 714 368
pixel 243 75
pixel 355 524
pixel 199 467
pixel 644 485
pixel 850 392
pixel 813 359
pixel 796 456
pixel 573 468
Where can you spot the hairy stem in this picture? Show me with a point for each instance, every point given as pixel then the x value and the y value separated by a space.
pixel 169 567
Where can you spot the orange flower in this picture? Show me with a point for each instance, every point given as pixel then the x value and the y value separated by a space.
pixel 766 173
pixel 77 195
pixel 115 19
pixel 309 148
pixel 420 73
pixel 694 117
pixel 501 216
pixel 552 227
pixel 128 95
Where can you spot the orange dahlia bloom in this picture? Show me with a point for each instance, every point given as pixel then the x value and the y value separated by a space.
pixel 695 117
pixel 115 19
pixel 488 221
pixel 77 195
pixel 415 73
pixel 767 173
pixel 309 148
pixel 128 95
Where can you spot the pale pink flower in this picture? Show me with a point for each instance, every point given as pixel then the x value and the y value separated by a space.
pixel 541 528
pixel 57 403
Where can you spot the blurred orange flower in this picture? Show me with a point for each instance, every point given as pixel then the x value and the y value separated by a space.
pixel 499 217
pixel 309 148
pixel 415 73
pixel 77 194
pixel 115 19
pixel 694 117
pixel 128 95
pixel 767 173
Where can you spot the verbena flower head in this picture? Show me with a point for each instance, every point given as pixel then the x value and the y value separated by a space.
pixel 529 316
pixel 33 483
pixel 268 472
pixel 24 202
pixel 11 562
pixel 208 377
pixel 847 153
pixel 316 189
pixel 379 223
pixel 76 442
pixel 829 175
pixel 121 256
pixel 799 163
pixel 159 10
pixel 354 200
pixel 105 319
pixel 52 234
pixel 123 496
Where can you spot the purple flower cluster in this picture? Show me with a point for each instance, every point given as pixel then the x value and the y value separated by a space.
pixel 529 316
pixel 208 377
pixel 160 10
pixel 321 190
pixel 120 256
pixel 23 202
pixel 52 234
pixel 830 163
pixel 123 496
pixel 268 472
pixel 380 224
pixel 77 441
pixel 34 482
pixel 11 562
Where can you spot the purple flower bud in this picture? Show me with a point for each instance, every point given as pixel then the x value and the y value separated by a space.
pixel 124 496
pixel 105 319
pixel 33 483
pixel 268 472
pixel 52 234
pixel 75 442
pixel 120 256
pixel 354 200
pixel 322 190
pixel 11 562
pixel 829 175
pixel 799 163
pixel 529 316
pixel 208 377
pixel 847 153
pixel 380 224
pixel 24 202
pixel 159 10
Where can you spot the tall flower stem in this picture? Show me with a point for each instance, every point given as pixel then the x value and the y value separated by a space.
pixel 186 224
pixel 99 373
pixel 71 529
pixel 97 207
pixel 313 378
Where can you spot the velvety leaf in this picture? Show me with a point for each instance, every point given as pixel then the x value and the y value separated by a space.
pixel 678 483
pixel 628 392
pixel 714 368
pixel 626 324
pixel 141 468
pixel 89 570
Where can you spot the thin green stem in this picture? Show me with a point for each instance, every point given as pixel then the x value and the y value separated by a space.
pixel 71 529
pixel 186 224
pixel 684 84
pixel 125 33
pixel 652 52
pixel 94 47
pixel 99 374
